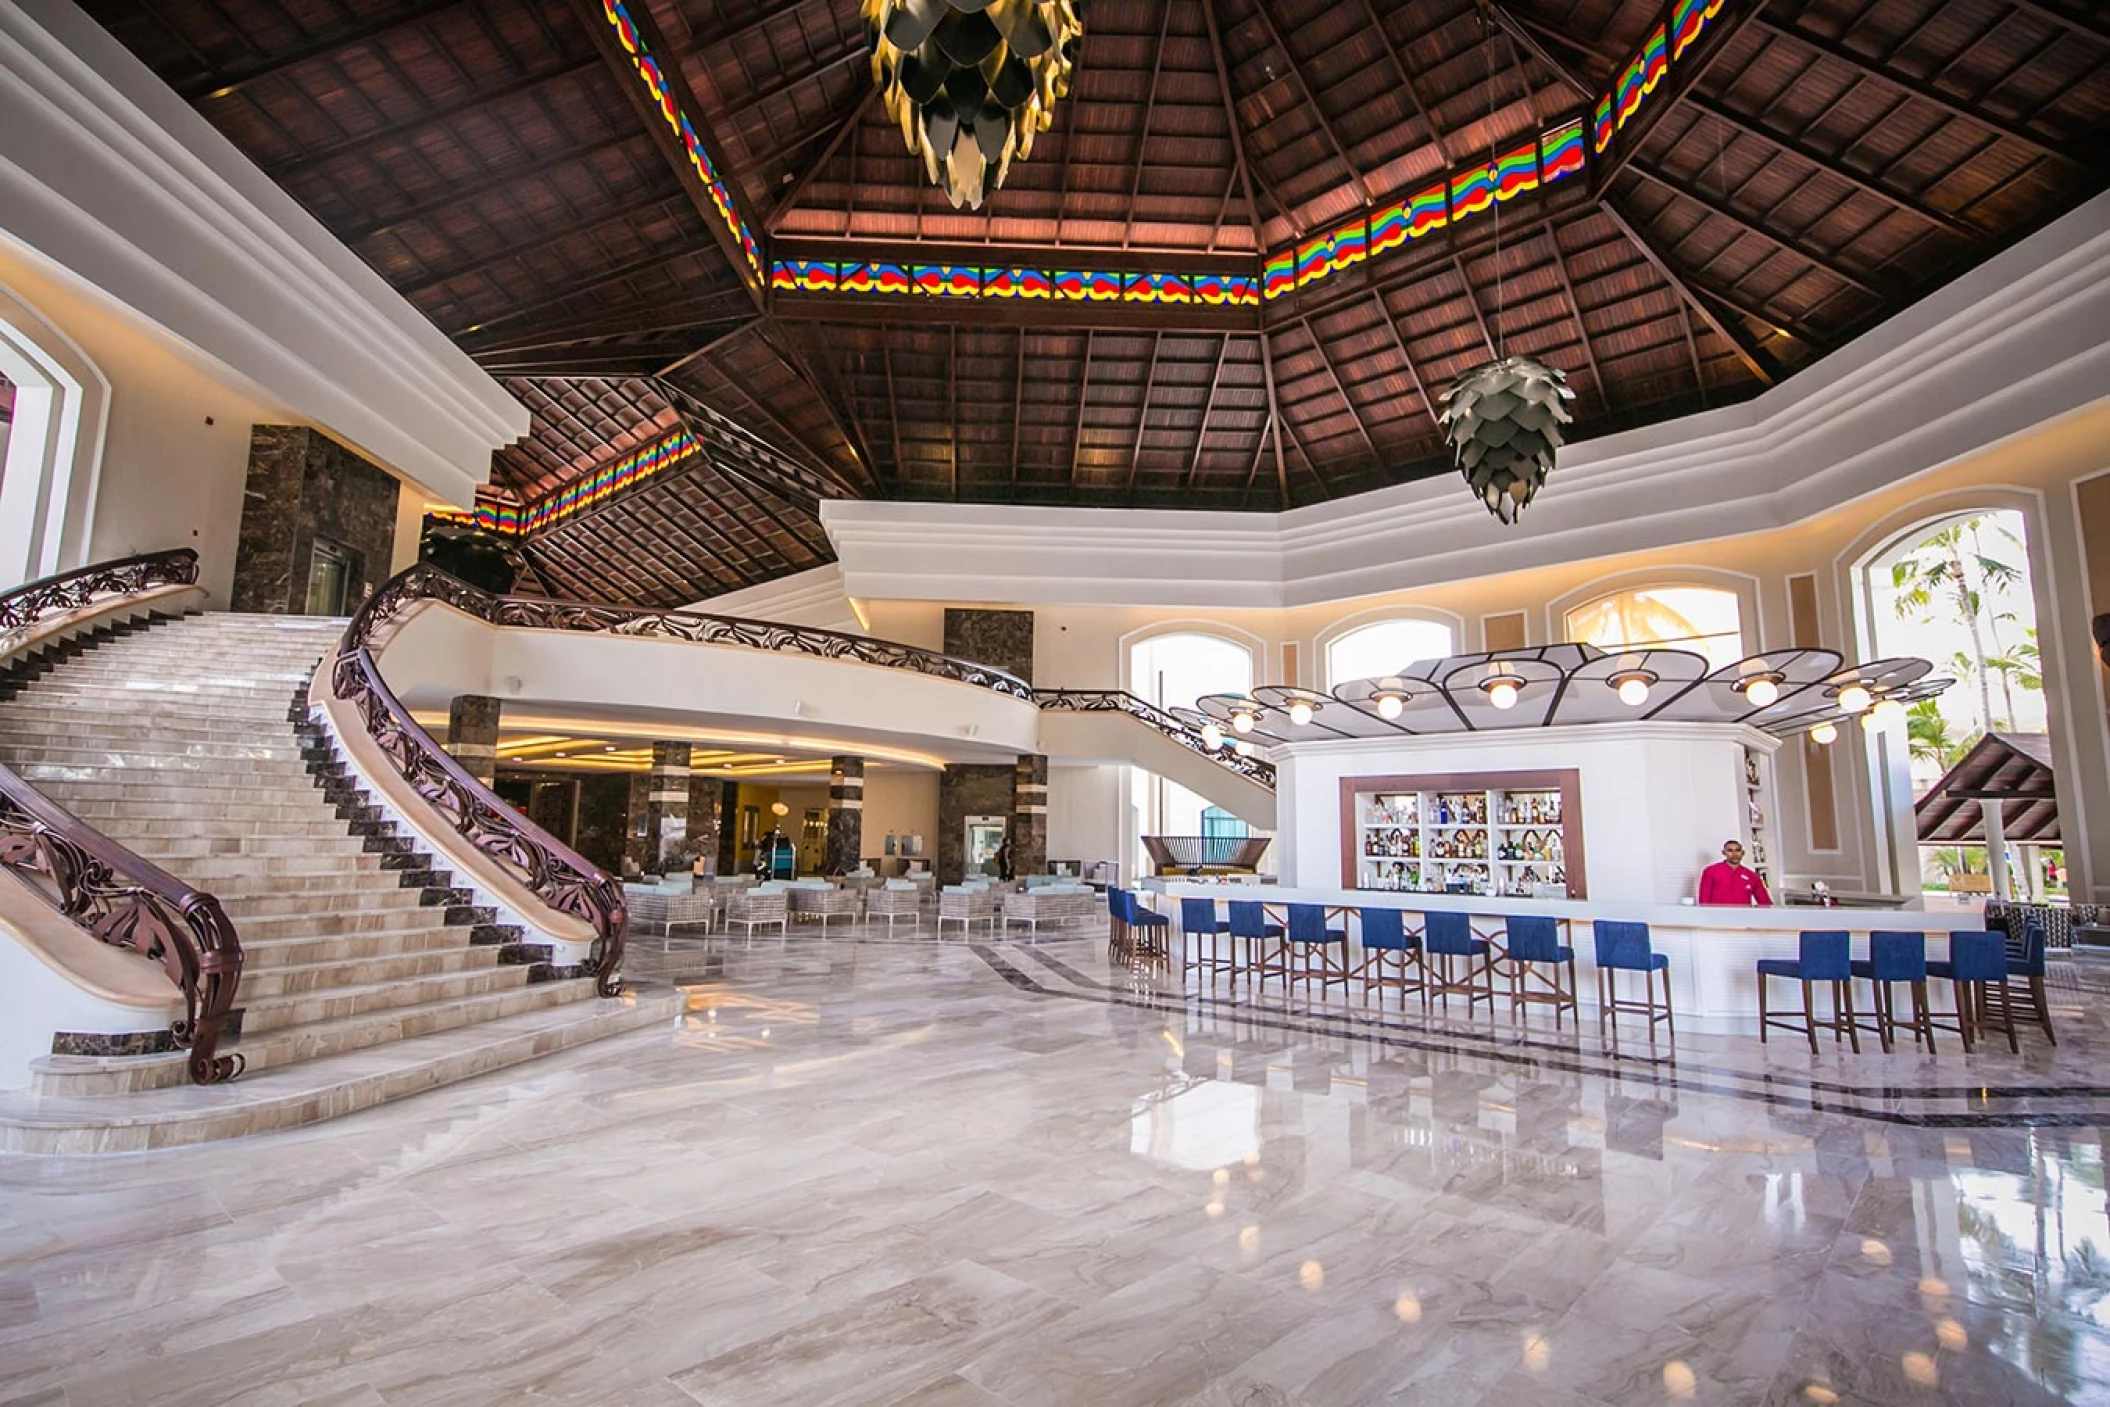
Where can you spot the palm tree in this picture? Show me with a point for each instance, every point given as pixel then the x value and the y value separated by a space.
pixel 1939 568
pixel 2023 665
pixel 1927 734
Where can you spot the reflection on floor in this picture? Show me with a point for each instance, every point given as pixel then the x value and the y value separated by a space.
pixel 861 1170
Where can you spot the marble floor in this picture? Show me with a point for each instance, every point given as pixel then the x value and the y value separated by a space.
pixel 862 1170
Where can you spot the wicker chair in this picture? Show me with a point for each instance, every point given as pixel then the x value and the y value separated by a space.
pixel 667 911
pixel 823 904
pixel 752 908
pixel 893 905
pixel 966 907
pixel 1038 906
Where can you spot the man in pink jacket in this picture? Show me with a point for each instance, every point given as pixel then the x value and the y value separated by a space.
pixel 1727 881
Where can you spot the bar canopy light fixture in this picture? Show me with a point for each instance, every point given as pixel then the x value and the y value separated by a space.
pixel 972 82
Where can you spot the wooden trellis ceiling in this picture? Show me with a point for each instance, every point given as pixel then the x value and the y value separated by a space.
pixel 1827 164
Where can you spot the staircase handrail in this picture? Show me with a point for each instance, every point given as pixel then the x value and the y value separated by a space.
pixel 556 874
pixel 425 582
pixel 103 888
pixel 1255 769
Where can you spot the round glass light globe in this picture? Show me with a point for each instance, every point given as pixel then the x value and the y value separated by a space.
pixel 1502 694
pixel 1245 749
pixel 1242 722
pixel 1762 692
pixel 1824 734
pixel 1390 706
pixel 1212 736
pixel 1855 697
pixel 1300 713
pixel 1633 691
pixel 1887 712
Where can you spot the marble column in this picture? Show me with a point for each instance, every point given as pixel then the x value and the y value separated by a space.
pixel 637 822
pixel 667 810
pixel 1000 639
pixel 1029 816
pixel 472 734
pixel 705 817
pixel 846 814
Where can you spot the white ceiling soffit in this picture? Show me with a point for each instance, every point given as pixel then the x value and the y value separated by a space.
pixel 109 176
pixel 2016 343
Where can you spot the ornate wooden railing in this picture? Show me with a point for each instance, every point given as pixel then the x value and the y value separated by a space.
pixel 552 870
pixel 113 894
pixel 428 583
pixel 39 600
pixel 1256 769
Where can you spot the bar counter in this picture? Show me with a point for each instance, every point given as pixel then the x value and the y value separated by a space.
pixel 1713 950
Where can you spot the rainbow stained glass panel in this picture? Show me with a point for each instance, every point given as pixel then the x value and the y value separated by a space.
pixel 1629 91
pixel 1561 152
pixel 781 276
pixel 1688 21
pixel 1428 211
pixel 1241 290
pixel 1388 229
pixel 1517 172
pixel 1601 125
pixel 1279 276
pixel 1314 259
pixel 1157 288
pixel 946 280
pixel 1471 192
pixel 1351 245
pixel 1655 60
pixel 891 278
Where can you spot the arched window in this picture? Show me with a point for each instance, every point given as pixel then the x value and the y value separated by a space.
pixel 1703 619
pixel 1385 647
pixel 1172 671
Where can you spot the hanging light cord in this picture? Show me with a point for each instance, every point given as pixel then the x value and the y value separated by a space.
pixel 1487 43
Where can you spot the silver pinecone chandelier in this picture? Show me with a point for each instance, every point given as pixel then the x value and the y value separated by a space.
pixel 1503 421
pixel 971 82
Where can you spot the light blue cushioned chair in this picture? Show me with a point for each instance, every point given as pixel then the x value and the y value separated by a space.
pixel 1317 953
pixel 1538 962
pixel 1457 960
pixel 1894 956
pixel 1391 957
pixel 1977 972
pixel 1822 955
pixel 1624 947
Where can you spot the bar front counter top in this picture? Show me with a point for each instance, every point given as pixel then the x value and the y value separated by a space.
pixel 1713 949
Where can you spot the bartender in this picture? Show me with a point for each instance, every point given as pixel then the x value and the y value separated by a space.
pixel 1730 881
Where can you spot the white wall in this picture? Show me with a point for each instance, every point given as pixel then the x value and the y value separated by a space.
pixel 1084 813
pixel 1658 799
pixel 899 802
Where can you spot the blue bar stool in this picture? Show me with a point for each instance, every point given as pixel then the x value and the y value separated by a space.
pixel 1445 938
pixel 1391 957
pixel 1897 956
pixel 1535 954
pixel 1824 955
pixel 1624 947
pixel 1116 921
pixel 1249 925
pixel 1149 932
pixel 2026 960
pixel 1977 965
pixel 1199 926
pixel 1320 953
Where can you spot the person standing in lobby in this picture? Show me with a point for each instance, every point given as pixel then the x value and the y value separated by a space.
pixel 1729 881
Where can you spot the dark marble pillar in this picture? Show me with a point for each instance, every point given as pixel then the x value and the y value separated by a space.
pixel 705 817
pixel 472 735
pixel 306 494
pixel 637 822
pixel 667 810
pixel 728 828
pixel 1029 816
pixel 967 790
pixel 846 814
pixel 1001 639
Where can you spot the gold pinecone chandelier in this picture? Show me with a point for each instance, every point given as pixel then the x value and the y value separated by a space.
pixel 1503 422
pixel 971 82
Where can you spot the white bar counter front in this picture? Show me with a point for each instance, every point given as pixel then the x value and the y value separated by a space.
pixel 1713 949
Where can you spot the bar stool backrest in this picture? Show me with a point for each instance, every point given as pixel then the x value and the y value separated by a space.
pixel 1117 902
pixel 1532 937
pixel 1449 935
pixel 2026 959
pixel 1621 944
pixel 1197 915
pixel 1897 956
pixel 1978 956
pixel 1307 923
pixel 1385 930
pixel 1826 955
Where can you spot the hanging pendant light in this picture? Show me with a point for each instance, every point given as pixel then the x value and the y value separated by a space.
pixel 971 82
pixel 1503 422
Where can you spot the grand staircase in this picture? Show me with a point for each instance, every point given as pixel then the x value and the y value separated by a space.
pixel 369 974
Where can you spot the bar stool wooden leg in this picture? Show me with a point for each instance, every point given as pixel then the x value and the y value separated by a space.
pixel 1809 1014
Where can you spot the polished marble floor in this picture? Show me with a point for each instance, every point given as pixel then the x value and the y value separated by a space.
pixel 861 1170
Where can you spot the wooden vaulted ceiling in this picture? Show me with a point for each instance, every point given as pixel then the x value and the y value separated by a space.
pixel 1823 165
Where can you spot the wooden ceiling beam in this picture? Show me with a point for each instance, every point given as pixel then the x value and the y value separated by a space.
pixel 1863 181
pixel 1018 397
pixel 1747 351
pixel 1201 435
pixel 797 367
pixel 1472 301
pixel 1406 81
pixel 1274 416
pixel 566 292
pixel 1399 345
pixel 1341 390
pixel 1771 235
pixel 455 195
pixel 1927 93
pixel 623 69
pixel 1150 108
pixel 798 186
pixel 626 215
pixel 1084 391
pixel 1036 313
pixel 1582 328
pixel 1150 385
pixel 227 82
pixel 1311 97
pixel 1685 78
pixel 306 161
pixel 1237 131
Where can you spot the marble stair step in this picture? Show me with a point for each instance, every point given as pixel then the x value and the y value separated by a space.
pixel 203 789
pixel 295 947
pixel 94 727
pixel 305 825
pixel 285 979
pixel 92 1076
pixel 150 812
pixel 322 1088
pixel 242 907
pixel 143 709
pixel 262 1015
pixel 302 871
pixel 254 843
pixel 281 763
